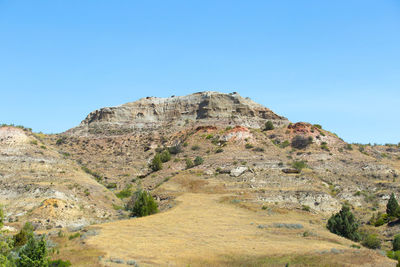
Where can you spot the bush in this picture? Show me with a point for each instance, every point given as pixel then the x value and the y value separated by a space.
pixel 156 163
pixel 344 224
pixel 285 144
pixel 165 156
pixel 299 165
pixel 143 204
pixel 248 146
pixel 395 255
pixel 189 163
pixel 198 161
pixel 396 243
pixel 23 236
pixel 269 126
pixel 392 207
pixel 318 126
pixel 59 263
pixel 34 253
pixel 301 142
pixel 348 147
pixel 175 149
pixel 195 147
pixel 371 241
pixel 219 150
pixel 125 193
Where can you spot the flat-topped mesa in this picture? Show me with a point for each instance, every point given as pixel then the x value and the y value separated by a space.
pixel 152 113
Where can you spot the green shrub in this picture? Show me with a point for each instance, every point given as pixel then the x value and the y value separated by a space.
pixel 156 163
pixel 209 136
pixel 23 235
pixel 344 224
pixel 284 144
pixel 396 243
pixel 175 149
pixel 318 126
pixel 371 241
pixel 165 156
pixel 393 254
pixel 380 219
pixel 299 165
pixel 125 193
pixel 348 147
pixel 73 236
pixel 195 147
pixel 269 126
pixel 111 185
pixel 258 149
pixel 189 163
pixel 301 142
pixel 34 253
pixel 143 204
pixel 198 161
pixel 248 146
pixel 219 150
pixel 392 207
pixel 59 263
pixel 306 208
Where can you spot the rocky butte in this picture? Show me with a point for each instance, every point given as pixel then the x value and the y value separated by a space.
pixel 177 112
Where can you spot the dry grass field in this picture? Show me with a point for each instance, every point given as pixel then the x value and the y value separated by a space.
pixel 202 230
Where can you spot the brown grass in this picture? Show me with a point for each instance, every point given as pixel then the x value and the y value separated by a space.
pixel 202 231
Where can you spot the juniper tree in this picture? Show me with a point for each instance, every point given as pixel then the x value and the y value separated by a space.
pixel 344 224
pixel 392 207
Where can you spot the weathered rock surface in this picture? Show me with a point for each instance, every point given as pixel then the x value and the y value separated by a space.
pixel 152 113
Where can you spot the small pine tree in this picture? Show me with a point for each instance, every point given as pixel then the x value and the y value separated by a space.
pixel 189 163
pixel 165 156
pixel 156 163
pixel 23 236
pixel 392 207
pixel 396 243
pixel 344 224
pixel 198 161
pixel 144 204
pixel 34 253
pixel 268 126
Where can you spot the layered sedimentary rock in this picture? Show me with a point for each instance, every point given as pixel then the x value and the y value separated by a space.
pixel 152 113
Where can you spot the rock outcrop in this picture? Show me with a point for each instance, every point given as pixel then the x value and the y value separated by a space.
pixel 152 113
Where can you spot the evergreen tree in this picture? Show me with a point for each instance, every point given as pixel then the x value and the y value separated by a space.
pixel 34 253
pixel 165 156
pixel 396 243
pixel 344 224
pixel 144 204
pixel 269 126
pixel 156 163
pixel 392 207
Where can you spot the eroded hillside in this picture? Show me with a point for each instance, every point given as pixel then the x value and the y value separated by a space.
pixel 295 173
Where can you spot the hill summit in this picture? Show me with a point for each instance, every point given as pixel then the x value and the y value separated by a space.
pixel 153 113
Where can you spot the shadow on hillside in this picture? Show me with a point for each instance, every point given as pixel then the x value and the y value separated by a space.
pixel 394 223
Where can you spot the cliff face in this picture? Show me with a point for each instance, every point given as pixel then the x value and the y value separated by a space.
pixel 153 113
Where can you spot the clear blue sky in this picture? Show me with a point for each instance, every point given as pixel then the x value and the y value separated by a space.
pixel 336 63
